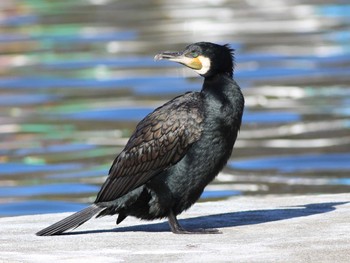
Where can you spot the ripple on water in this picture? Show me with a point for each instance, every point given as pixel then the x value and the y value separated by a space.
pixel 297 163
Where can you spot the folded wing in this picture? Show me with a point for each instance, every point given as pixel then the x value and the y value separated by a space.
pixel 160 140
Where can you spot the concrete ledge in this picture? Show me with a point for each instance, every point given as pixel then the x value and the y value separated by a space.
pixel 255 229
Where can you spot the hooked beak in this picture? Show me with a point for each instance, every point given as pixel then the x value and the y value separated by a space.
pixel 193 63
pixel 168 55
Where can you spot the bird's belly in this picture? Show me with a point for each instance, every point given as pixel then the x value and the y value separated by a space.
pixel 186 180
pixel 178 187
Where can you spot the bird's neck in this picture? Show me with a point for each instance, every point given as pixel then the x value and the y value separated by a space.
pixel 224 99
pixel 222 86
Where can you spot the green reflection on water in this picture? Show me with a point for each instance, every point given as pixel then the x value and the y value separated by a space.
pixel 47 128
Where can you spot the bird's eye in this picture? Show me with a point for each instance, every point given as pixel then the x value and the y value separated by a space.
pixel 194 54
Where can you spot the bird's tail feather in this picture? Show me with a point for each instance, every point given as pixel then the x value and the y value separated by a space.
pixel 72 221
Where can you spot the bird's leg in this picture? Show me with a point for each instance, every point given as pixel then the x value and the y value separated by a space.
pixel 174 224
pixel 177 229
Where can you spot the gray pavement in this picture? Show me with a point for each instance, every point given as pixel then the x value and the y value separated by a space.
pixel 313 228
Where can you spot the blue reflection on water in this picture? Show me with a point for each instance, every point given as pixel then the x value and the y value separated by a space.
pixel 294 163
pixel 271 117
pixel 26 99
pixel 340 181
pixel 33 207
pixel 345 111
pixel 18 168
pixel 330 10
pixel 18 20
pixel 268 73
pixel 48 189
pixel 340 36
pixel 136 114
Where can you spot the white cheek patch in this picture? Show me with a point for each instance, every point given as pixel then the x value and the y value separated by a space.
pixel 205 65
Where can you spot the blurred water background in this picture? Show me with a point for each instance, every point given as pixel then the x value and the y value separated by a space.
pixel 76 77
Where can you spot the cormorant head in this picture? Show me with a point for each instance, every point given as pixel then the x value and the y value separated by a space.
pixel 207 59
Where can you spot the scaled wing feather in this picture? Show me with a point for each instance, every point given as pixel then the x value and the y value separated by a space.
pixel 160 140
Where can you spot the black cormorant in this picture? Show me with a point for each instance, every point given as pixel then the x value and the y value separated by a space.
pixel 176 150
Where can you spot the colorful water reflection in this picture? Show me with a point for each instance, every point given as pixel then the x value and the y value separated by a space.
pixel 76 76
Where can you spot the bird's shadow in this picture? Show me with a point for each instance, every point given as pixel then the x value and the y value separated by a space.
pixel 229 219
